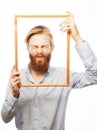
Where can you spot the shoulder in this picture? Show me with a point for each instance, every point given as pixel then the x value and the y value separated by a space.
pixel 57 70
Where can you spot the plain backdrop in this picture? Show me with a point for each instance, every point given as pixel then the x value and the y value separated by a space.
pixel 82 104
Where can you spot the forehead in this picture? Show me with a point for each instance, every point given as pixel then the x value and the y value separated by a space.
pixel 39 39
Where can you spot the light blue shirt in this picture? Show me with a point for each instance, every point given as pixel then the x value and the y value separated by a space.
pixel 44 108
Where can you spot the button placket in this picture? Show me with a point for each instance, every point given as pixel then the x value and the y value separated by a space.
pixel 36 110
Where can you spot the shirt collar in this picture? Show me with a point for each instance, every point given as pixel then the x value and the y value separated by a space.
pixel 27 71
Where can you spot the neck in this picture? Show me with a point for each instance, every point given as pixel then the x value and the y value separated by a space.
pixel 37 75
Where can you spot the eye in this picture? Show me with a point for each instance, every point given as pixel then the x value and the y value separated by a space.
pixel 45 46
pixel 33 47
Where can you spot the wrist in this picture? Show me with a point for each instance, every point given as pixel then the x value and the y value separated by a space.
pixel 16 95
pixel 78 39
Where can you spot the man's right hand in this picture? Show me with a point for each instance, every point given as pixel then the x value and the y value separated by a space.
pixel 15 82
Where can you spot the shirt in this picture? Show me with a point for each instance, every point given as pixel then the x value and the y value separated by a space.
pixel 44 108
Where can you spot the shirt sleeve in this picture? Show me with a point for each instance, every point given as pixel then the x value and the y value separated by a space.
pixel 89 77
pixel 9 106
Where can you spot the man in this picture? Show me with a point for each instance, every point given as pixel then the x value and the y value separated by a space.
pixel 43 108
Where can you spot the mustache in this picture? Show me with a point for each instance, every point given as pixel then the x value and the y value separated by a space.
pixel 40 55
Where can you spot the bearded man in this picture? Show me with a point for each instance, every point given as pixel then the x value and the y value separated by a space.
pixel 43 108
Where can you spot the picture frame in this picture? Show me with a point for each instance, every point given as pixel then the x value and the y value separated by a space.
pixel 16 18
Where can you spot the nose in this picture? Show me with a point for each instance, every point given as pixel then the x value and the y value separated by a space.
pixel 39 49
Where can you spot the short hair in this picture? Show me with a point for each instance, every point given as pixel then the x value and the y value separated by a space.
pixel 39 30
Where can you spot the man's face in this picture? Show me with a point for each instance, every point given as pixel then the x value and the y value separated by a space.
pixel 40 52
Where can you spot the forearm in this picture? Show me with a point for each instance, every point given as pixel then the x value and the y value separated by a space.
pixel 8 109
pixel 78 39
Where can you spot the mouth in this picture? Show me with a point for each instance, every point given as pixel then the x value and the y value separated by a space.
pixel 40 58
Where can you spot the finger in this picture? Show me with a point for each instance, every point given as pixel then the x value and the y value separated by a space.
pixel 65 22
pixel 67 14
pixel 15 79
pixel 16 83
pixel 16 89
pixel 13 68
pixel 14 73
pixel 65 27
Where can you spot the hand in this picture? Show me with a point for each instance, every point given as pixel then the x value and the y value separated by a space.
pixel 15 82
pixel 69 25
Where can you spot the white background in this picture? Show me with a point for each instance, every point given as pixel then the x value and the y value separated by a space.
pixel 82 103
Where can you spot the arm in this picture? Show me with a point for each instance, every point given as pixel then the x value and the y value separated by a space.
pixel 89 60
pixel 87 56
pixel 9 107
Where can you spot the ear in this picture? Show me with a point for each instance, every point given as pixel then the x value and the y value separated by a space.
pixel 27 47
pixel 52 47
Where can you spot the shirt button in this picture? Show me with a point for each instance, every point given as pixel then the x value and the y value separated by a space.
pixel 44 128
pixel 35 105
pixel 35 119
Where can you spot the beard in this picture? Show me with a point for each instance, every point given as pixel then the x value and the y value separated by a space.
pixel 40 62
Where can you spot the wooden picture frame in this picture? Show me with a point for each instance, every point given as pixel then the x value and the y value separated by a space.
pixel 66 84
